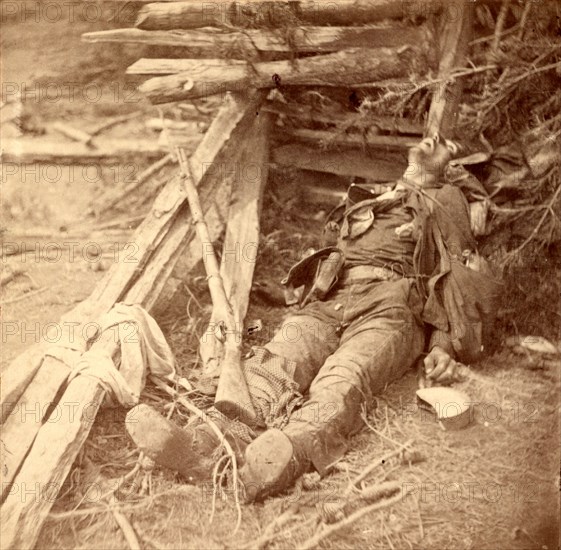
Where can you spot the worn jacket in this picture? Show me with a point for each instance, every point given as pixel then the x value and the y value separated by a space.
pixel 458 287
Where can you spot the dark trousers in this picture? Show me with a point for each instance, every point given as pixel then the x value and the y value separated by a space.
pixel 337 352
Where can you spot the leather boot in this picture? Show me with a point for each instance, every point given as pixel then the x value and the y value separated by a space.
pixel 191 451
pixel 271 465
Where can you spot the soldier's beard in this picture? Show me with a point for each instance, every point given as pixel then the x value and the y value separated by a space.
pixel 423 169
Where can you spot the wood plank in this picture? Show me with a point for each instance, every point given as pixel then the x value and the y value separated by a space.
pixel 31 150
pixel 239 251
pixel 444 107
pixel 212 42
pixel 309 114
pixel 25 420
pixel 335 69
pixel 49 461
pixel 15 379
pixel 243 226
pixel 387 167
pixel 192 15
pixel 329 139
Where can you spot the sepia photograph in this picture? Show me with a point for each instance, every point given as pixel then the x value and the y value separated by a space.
pixel 280 274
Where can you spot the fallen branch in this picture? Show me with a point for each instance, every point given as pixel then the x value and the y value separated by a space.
pixel 73 133
pixel 548 210
pixel 113 122
pixel 143 177
pixel 126 528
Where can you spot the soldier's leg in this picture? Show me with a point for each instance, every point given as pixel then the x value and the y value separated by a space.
pixel 375 349
pixel 278 373
pixel 373 353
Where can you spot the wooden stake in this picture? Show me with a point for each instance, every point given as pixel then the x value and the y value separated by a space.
pixel 443 111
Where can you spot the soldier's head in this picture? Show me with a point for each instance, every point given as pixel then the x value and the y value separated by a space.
pixel 428 159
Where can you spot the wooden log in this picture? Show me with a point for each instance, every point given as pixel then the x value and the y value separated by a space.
pixel 49 244
pixel 386 167
pixel 212 42
pixel 30 150
pixel 192 15
pixel 329 116
pixel 336 69
pixel 157 245
pixel 444 107
pixel 353 140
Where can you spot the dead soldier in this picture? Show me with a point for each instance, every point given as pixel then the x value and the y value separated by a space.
pixel 400 280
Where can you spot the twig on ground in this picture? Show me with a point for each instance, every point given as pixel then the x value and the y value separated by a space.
pixel 215 485
pixel 523 20
pixel 109 124
pixel 331 512
pixel 127 529
pixel 26 295
pixel 9 277
pixel 375 464
pixel 265 538
pixel 420 518
pixel 378 432
pixel 312 542
pixel 484 39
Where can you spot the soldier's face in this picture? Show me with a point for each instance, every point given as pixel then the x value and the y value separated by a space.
pixel 427 160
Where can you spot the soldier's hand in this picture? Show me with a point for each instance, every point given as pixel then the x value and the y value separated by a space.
pixel 440 367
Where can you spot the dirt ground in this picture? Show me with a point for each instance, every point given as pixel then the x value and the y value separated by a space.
pixel 492 485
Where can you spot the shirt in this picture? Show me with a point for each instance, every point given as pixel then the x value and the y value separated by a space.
pixel 380 233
